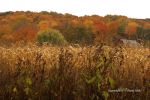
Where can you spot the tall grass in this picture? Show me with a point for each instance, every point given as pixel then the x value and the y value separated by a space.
pixel 74 73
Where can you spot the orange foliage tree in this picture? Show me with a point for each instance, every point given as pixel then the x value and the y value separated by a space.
pixel 100 31
pixel 26 33
pixel 43 25
pixel 131 29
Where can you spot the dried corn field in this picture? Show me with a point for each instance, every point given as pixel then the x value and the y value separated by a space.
pixel 74 73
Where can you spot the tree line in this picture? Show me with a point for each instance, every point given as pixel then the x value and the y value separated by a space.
pixel 66 28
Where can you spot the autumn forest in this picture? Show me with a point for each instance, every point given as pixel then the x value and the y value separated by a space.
pixel 25 26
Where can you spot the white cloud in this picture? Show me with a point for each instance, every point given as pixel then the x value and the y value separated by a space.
pixel 130 8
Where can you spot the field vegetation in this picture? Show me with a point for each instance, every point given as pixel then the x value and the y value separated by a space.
pixel 51 72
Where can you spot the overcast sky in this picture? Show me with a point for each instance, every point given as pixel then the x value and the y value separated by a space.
pixel 130 8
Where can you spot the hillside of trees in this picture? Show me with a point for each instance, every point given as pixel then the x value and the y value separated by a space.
pixel 28 27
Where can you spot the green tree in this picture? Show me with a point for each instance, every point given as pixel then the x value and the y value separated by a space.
pixel 121 29
pixel 82 35
pixel 123 24
pixel 147 34
pixel 52 36
pixel 140 32
pixel 78 34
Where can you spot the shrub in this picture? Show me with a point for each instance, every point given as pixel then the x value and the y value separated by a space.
pixel 51 36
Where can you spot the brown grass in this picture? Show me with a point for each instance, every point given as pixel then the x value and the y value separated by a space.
pixel 74 73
